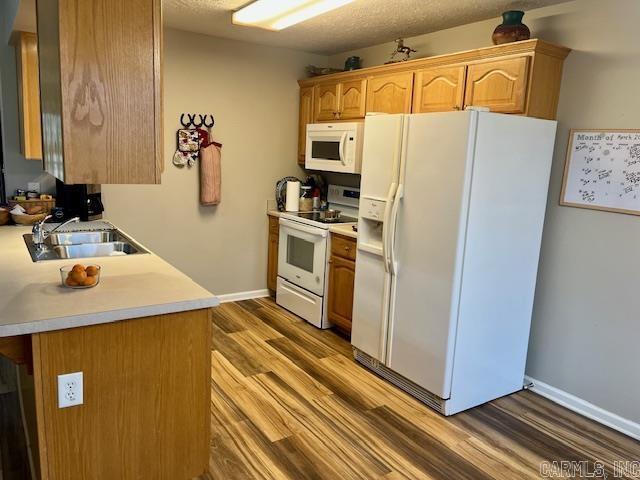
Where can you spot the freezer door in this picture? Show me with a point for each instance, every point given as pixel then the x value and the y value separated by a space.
pixel 428 247
pixel 380 154
pixel 370 307
pixel 380 171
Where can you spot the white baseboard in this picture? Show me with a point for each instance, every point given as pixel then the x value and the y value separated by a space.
pixel 585 408
pixel 236 297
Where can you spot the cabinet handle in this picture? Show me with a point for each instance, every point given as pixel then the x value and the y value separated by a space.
pixel 456 107
pixel 347 248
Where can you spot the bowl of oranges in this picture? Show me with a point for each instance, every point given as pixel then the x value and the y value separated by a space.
pixel 79 276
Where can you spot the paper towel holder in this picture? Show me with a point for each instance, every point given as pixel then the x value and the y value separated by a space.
pixel 281 187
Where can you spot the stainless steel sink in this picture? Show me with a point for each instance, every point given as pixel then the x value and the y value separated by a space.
pixel 85 244
pixel 88 250
pixel 77 238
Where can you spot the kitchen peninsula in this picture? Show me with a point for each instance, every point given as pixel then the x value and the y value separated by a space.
pixel 141 338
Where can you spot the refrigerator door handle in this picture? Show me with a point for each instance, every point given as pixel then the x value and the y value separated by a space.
pixel 385 225
pixel 393 263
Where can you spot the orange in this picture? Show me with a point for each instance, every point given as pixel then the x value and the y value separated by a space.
pixel 78 268
pixel 92 270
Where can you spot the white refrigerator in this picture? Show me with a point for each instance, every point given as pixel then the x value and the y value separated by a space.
pixel 451 214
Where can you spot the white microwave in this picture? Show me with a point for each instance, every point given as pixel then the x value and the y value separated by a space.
pixel 334 147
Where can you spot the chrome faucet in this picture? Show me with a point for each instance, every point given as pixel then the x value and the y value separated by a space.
pixel 40 234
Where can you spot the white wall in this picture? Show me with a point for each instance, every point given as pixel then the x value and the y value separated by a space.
pixel 252 92
pixel 586 323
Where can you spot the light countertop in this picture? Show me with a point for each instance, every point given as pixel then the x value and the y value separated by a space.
pixel 273 213
pixel 343 229
pixel 32 300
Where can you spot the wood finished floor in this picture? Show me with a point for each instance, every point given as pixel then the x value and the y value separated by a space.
pixel 289 402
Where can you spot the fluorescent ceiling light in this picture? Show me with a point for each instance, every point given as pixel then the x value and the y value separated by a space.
pixel 280 14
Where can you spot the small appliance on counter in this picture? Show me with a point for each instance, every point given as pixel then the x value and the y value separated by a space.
pixel 84 201
pixel 303 254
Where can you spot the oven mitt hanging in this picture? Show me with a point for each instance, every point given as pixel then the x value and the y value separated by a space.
pixel 180 159
pixel 188 140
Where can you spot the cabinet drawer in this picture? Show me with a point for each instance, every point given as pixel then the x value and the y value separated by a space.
pixel 343 247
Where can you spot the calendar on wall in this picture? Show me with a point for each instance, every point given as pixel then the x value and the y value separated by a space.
pixel 602 171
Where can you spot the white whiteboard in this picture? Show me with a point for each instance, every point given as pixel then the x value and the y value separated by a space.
pixel 602 170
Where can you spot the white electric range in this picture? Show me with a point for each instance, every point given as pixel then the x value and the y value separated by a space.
pixel 303 255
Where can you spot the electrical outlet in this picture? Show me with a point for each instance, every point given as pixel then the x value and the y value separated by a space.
pixel 70 390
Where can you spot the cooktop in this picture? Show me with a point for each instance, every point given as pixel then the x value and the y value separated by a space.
pixel 322 217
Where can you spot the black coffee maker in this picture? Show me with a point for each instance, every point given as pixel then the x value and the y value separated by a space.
pixel 80 200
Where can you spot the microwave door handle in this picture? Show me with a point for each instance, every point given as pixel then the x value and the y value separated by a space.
pixel 343 140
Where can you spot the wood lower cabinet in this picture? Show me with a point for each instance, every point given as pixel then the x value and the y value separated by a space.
pixel 29 95
pixel 101 100
pixel 305 118
pixel 272 253
pixel 499 85
pixel 390 93
pixel 342 271
pixel 146 402
pixel 439 89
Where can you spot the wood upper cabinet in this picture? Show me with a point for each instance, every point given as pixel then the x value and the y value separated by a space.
pixel 29 95
pixel 305 118
pixel 326 100
pixel 500 85
pixel 342 271
pixel 101 90
pixel 340 101
pixel 518 78
pixel 438 89
pixel 390 93
pixel 272 254
pixel 352 96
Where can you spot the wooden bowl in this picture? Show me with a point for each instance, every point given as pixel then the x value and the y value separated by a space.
pixel 4 217
pixel 28 219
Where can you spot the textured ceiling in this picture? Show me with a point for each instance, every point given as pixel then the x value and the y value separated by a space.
pixel 361 23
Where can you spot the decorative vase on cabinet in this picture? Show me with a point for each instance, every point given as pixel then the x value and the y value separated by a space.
pixel 511 29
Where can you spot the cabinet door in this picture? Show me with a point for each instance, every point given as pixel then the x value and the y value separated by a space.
pixel 438 89
pixel 306 117
pixel 352 99
pixel 29 96
pixel 101 90
pixel 500 85
pixel 340 302
pixel 272 255
pixel 390 93
pixel 326 102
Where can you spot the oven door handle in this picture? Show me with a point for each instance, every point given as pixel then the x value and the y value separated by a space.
pixel 343 140
pixel 318 232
